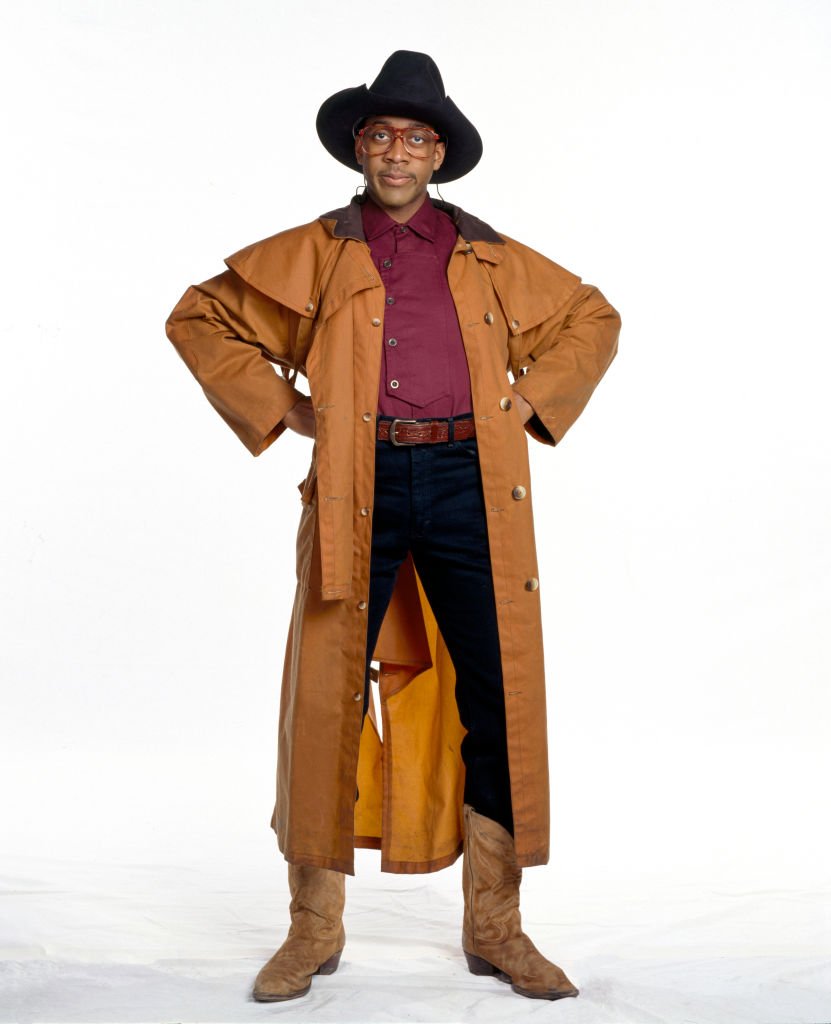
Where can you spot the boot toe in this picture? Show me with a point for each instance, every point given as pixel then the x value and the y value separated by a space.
pixel 539 978
pixel 268 993
pixel 547 993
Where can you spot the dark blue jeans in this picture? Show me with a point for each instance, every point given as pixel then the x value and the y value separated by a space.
pixel 428 500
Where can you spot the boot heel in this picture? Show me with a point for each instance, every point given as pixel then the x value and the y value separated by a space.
pixel 479 966
pixel 331 965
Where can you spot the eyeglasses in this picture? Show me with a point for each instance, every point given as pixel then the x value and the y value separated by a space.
pixel 380 138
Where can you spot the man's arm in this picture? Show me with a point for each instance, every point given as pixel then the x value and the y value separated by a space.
pixel 565 358
pixel 229 334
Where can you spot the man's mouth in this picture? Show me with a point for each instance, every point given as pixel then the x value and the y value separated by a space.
pixel 396 179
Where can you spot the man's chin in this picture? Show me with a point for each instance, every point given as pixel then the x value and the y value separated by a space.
pixel 394 195
pixel 397 196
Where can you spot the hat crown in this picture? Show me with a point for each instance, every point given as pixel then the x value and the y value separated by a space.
pixel 407 73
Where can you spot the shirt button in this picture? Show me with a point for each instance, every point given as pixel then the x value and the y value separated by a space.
pixel 390 300
pixel 488 318
pixel 518 493
pixel 376 322
pixel 387 263
pixel 532 584
pixel 364 511
pixel 505 404
pixel 394 384
pixel 361 606
pixel 367 416
pixel 393 342
pixel 515 324
pixel 357 696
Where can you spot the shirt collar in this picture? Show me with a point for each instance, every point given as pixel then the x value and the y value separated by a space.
pixel 376 222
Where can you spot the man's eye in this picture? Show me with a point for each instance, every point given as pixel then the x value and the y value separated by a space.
pixel 416 138
pixel 379 135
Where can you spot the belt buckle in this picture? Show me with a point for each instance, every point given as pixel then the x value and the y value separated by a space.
pixel 395 441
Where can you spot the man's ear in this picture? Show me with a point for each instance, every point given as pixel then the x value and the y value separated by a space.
pixel 438 155
pixel 359 152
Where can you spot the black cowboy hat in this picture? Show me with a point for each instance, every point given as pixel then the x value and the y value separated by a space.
pixel 409 85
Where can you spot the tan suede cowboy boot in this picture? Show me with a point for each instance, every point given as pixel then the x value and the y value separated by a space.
pixel 492 938
pixel 316 937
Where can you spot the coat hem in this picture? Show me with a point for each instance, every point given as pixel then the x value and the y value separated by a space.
pixel 368 842
pixel 415 867
pixel 347 867
pixel 409 867
pixel 533 859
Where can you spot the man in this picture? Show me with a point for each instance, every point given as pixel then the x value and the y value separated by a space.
pixel 415 546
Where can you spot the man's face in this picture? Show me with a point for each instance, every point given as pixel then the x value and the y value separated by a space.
pixel 397 180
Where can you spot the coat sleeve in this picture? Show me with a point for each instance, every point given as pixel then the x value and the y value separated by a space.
pixel 564 359
pixel 229 335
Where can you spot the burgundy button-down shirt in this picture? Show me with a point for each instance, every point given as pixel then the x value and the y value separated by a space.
pixel 424 368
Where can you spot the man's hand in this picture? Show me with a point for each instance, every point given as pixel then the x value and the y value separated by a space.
pixel 526 410
pixel 301 418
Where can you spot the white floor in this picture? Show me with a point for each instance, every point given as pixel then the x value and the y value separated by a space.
pixel 177 943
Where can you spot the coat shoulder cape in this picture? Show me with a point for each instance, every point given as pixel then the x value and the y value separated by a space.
pixel 291 266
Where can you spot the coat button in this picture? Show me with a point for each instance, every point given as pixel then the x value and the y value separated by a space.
pixel 518 493
pixel 532 584
pixel 488 318
pixel 367 416
pixel 515 324
pixel 376 322
pixel 364 511
pixel 394 384
pixel 505 404
pixel 361 606
pixel 310 307
pixel 357 696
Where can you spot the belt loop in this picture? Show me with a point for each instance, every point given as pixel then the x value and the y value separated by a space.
pixel 451 431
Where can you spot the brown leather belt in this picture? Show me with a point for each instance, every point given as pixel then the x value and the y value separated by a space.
pixel 424 431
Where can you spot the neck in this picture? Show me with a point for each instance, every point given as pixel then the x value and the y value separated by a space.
pixel 400 214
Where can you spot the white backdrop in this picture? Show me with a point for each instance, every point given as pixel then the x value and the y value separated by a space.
pixel 674 154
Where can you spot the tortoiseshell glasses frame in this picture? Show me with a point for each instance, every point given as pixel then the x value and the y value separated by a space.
pixel 418 142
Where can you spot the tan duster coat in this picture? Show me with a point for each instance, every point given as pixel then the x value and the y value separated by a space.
pixel 310 300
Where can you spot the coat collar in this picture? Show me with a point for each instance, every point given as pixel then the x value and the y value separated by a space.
pixel 476 235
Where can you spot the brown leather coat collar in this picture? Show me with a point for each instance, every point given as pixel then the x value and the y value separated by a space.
pixel 348 224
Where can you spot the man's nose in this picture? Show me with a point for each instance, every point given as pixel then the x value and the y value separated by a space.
pixel 397 151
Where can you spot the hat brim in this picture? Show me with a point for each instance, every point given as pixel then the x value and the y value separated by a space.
pixel 337 116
